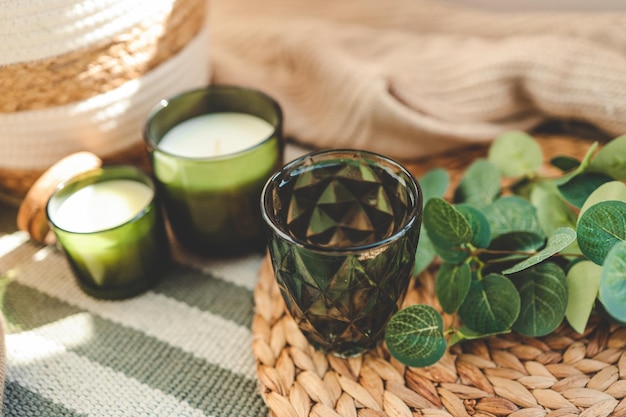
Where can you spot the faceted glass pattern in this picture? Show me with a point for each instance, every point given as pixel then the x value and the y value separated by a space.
pixel 342 205
pixel 343 231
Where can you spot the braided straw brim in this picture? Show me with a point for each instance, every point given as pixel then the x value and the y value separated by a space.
pixel 562 374
pixel 102 67
pixel 97 97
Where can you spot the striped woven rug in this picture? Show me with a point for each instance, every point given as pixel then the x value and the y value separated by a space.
pixel 181 349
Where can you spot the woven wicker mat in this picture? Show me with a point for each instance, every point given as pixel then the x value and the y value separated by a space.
pixel 562 374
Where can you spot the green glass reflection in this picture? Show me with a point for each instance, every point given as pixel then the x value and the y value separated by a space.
pixel 117 262
pixel 343 228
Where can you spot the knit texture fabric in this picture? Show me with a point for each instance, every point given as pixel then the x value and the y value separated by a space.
pixel 412 78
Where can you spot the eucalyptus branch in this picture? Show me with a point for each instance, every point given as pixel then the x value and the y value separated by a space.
pixel 492 210
pixel 480 251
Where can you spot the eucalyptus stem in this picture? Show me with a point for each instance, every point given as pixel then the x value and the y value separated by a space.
pixel 480 251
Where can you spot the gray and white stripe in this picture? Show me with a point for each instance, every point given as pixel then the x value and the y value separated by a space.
pixel 180 349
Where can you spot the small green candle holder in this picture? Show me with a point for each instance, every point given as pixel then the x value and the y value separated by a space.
pixel 212 202
pixel 111 258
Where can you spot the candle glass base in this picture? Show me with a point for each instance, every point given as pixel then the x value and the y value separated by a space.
pixel 215 223
pixel 343 228
pixel 122 292
pixel 116 262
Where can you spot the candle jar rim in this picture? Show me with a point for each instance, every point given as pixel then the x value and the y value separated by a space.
pixel 414 214
pixel 163 105
pixel 98 176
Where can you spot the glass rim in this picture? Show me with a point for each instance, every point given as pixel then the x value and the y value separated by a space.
pixel 97 173
pixel 412 216
pixel 163 104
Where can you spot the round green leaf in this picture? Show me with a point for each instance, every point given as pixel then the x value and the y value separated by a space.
pixel 481 232
pixel 480 184
pixel 491 305
pixel 565 163
pixel 583 280
pixel 552 210
pixel 414 335
pixel 512 214
pixel 452 285
pixel 434 183
pixel 614 190
pixel 613 282
pixel 446 227
pixel 601 227
pixel 561 239
pixel 584 165
pixel 611 159
pixel 543 293
pixel 516 154
pixel 579 188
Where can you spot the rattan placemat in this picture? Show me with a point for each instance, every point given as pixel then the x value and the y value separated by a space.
pixel 562 374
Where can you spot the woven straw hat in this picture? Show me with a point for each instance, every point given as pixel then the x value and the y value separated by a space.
pixel 82 75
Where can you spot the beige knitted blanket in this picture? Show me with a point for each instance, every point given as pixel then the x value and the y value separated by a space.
pixel 410 78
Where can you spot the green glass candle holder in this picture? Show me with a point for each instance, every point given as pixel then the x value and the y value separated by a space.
pixel 211 199
pixel 110 227
pixel 343 228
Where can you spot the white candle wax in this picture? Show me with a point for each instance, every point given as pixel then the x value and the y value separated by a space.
pixel 102 206
pixel 215 134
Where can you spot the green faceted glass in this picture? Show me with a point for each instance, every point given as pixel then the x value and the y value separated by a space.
pixel 343 228
pixel 114 262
